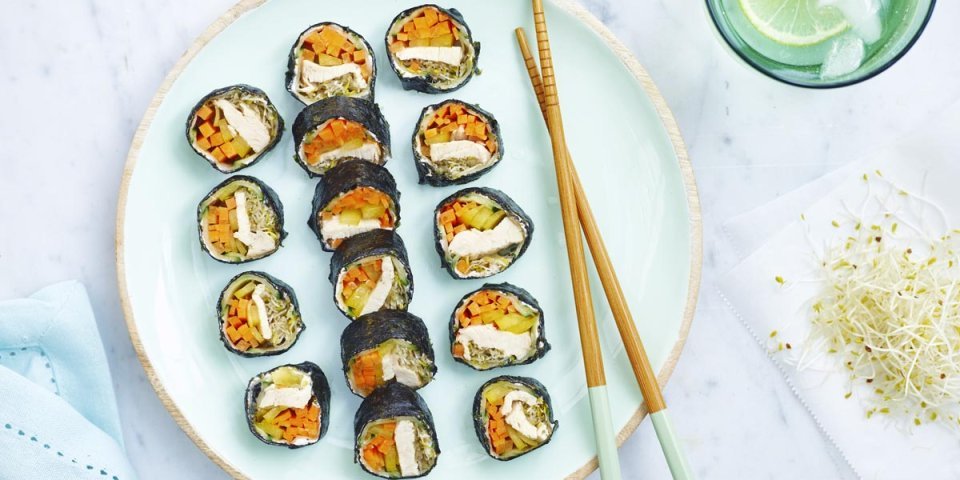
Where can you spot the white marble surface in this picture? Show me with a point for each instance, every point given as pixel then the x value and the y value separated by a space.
pixel 75 78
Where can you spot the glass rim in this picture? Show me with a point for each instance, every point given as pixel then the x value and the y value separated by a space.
pixel 822 86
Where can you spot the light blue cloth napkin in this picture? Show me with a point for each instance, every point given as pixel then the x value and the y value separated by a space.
pixel 58 413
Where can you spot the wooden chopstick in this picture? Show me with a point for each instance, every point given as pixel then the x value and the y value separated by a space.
pixel 586 323
pixel 639 362
pixel 642 369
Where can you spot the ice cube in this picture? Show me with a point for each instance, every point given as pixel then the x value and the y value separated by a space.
pixel 845 55
pixel 862 15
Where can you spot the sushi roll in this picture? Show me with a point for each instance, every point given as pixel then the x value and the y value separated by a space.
pixel 395 436
pixel 455 143
pixel 340 128
pixel 513 416
pixel 431 49
pixel 497 325
pixel 233 127
pixel 289 405
pixel 352 198
pixel 480 232
pixel 370 272
pixel 386 346
pixel 240 220
pixel 330 60
pixel 259 315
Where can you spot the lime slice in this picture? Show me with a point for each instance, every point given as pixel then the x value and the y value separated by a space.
pixel 797 23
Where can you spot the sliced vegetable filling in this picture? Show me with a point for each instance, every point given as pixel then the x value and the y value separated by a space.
pixel 287 411
pixel 331 61
pixel 338 139
pixel 234 128
pixel 456 141
pixel 394 359
pixel 479 237
pixel 495 328
pixel 259 317
pixel 430 43
pixel 517 419
pixel 396 448
pixel 238 223
pixel 372 284
pixel 360 210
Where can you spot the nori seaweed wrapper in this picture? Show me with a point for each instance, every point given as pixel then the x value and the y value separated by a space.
pixel 369 244
pixel 292 60
pixel 500 199
pixel 480 426
pixel 369 331
pixel 425 84
pixel 345 177
pixel 321 390
pixel 543 346
pixel 391 401
pixel 270 196
pixel 354 109
pixel 427 174
pixel 275 136
pixel 283 288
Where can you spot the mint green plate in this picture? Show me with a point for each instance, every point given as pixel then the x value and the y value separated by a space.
pixel 629 155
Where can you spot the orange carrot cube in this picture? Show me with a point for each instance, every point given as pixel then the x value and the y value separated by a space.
pixel 206 129
pixel 205 112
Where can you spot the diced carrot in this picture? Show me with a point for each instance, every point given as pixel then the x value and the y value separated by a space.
pixel 447 216
pixel 206 129
pixel 203 143
pixel 243 346
pixel 462 265
pixel 232 334
pixel 359 55
pixel 217 154
pixel 205 112
pixel 308 55
pixel 216 139
pixel 458 350
pixel 244 332
pixel 235 322
pixel 441 28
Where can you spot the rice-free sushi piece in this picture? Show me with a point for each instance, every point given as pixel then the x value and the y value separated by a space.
pixel 497 325
pixel 431 49
pixel 330 60
pixel 336 129
pixel 289 405
pixel 395 436
pixel 386 346
pixel 240 220
pixel 352 198
pixel 480 232
pixel 234 127
pixel 370 272
pixel 259 315
pixel 455 143
pixel 513 416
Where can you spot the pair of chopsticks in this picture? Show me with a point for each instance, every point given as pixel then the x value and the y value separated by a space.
pixel 577 214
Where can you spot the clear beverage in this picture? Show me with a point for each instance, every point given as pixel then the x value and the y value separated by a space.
pixel 820 42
